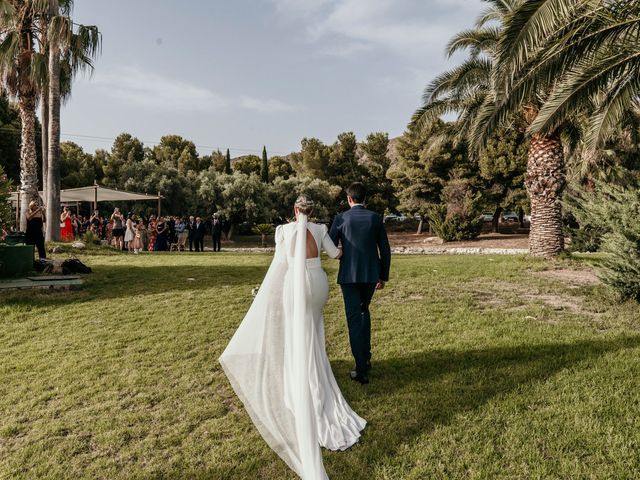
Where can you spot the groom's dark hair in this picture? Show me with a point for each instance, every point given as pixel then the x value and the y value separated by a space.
pixel 357 192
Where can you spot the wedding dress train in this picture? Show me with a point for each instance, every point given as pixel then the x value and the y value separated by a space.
pixel 277 362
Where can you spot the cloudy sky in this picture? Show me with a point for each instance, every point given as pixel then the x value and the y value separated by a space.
pixel 246 73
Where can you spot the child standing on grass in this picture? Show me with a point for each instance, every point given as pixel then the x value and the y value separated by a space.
pixel 137 239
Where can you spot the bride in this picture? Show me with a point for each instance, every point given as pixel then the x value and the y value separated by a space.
pixel 277 362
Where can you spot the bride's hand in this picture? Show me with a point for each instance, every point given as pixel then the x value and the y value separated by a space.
pixel 339 253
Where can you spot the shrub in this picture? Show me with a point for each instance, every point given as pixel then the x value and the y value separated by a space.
pixel 586 238
pixel 459 217
pixel 91 238
pixel 6 213
pixel 454 226
pixel 615 211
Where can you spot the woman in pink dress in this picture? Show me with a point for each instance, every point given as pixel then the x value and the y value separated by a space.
pixel 66 227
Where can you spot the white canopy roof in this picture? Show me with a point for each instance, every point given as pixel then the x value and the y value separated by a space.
pixel 96 192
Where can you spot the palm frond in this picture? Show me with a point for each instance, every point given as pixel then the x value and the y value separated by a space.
pixel 591 77
pixel 477 41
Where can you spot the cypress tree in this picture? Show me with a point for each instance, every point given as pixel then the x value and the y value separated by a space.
pixel 264 170
pixel 227 164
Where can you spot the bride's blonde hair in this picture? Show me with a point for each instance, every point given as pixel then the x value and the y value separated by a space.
pixel 304 205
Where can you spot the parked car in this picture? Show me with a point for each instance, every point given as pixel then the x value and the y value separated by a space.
pixel 510 217
pixel 487 217
pixel 392 217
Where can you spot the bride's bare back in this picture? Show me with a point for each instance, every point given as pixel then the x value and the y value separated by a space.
pixel 312 246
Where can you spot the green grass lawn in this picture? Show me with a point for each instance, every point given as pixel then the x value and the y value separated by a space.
pixel 483 367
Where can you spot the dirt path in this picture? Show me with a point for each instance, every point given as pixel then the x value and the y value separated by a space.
pixel 490 240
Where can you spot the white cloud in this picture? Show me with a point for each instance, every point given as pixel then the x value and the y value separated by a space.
pixel 407 27
pixel 265 106
pixel 345 48
pixel 151 90
pixel 300 8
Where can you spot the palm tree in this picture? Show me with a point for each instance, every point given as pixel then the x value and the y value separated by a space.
pixel 559 59
pixel 464 89
pixel 68 51
pixel 17 51
pixel 26 29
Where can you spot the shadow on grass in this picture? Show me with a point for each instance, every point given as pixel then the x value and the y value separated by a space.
pixel 410 396
pixel 126 281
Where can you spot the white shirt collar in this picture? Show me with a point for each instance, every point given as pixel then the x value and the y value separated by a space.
pixel 357 205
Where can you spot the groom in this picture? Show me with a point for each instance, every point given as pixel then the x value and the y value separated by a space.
pixel 364 268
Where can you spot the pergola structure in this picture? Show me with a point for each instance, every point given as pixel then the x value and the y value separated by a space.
pixel 93 194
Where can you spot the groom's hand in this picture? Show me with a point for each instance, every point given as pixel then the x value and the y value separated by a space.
pixel 379 285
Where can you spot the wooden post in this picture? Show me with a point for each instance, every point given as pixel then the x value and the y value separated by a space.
pixel 159 203
pixel 95 196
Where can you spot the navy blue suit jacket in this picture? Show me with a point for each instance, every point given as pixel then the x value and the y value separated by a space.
pixel 366 255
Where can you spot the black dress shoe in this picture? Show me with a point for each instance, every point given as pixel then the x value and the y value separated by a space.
pixel 362 379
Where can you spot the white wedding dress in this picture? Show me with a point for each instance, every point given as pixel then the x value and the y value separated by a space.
pixel 277 362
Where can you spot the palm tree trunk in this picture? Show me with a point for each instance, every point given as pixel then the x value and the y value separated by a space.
pixel 28 163
pixel 545 181
pixel 27 105
pixel 53 174
pixel 44 120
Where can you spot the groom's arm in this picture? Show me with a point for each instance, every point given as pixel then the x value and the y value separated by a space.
pixel 334 233
pixel 385 252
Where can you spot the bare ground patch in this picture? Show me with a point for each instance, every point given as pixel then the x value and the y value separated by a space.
pixel 514 297
pixel 569 276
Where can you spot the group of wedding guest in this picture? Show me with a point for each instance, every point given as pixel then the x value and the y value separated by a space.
pixel 131 232
pixel 128 232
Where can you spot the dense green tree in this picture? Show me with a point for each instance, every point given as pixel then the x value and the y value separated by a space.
pixel 247 164
pixel 227 165
pixel 10 139
pixel 381 195
pixel 210 190
pixel 284 193
pixel 314 158
pixel 280 167
pixel 6 212
pixel 175 151
pixel 125 153
pixel 424 166
pixel 244 199
pixel 343 167
pixel 77 168
pixel 502 166
pixel 264 167
pixel 216 160
pixel 180 191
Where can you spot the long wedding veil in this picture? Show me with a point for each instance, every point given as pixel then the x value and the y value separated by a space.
pixel 267 360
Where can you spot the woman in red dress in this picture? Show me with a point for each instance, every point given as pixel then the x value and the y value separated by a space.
pixel 151 233
pixel 66 227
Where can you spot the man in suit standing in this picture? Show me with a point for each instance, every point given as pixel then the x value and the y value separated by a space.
pixel 364 268
pixel 191 229
pixel 216 232
pixel 198 235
